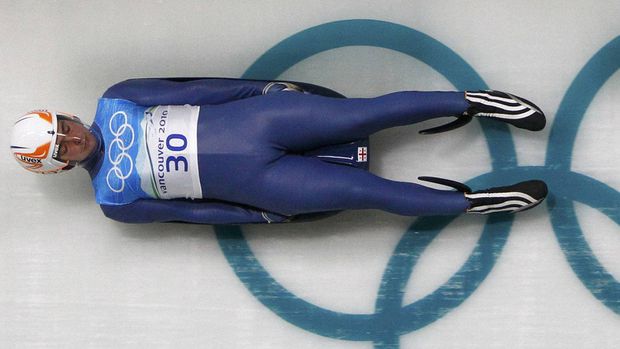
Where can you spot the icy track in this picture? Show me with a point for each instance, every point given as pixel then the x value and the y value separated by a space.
pixel 549 278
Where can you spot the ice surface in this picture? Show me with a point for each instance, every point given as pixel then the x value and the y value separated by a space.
pixel 70 278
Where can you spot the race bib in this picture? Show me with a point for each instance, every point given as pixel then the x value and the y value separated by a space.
pixel 171 144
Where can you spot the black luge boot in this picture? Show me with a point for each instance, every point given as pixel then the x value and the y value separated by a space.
pixel 514 198
pixel 506 107
pixel 496 105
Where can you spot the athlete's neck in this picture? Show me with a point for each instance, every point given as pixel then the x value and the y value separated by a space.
pixel 93 158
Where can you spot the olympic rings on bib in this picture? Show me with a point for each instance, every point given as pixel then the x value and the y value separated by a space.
pixel 115 177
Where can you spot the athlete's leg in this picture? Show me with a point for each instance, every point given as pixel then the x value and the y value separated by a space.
pixel 296 121
pixel 296 184
pixel 243 149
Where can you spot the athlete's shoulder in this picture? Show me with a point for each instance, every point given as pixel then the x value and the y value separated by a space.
pixel 120 89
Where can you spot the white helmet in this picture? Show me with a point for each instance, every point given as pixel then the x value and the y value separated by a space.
pixel 34 141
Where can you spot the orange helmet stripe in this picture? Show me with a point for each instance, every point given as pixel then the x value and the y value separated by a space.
pixel 47 116
pixel 39 153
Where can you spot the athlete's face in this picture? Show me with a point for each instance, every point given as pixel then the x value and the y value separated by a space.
pixel 75 141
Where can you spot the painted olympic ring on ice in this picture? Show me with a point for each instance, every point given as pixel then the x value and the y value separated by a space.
pixel 392 318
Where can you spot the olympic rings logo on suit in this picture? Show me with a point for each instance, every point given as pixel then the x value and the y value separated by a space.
pixel 565 186
pixel 115 177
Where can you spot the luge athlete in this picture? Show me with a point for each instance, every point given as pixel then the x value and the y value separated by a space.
pixel 231 151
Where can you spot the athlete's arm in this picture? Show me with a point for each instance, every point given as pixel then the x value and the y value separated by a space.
pixel 193 91
pixel 190 211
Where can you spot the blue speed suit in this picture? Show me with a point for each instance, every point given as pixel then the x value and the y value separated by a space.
pixel 255 144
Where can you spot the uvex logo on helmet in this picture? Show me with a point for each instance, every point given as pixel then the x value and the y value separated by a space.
pixel 29 160
pixel 33 160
